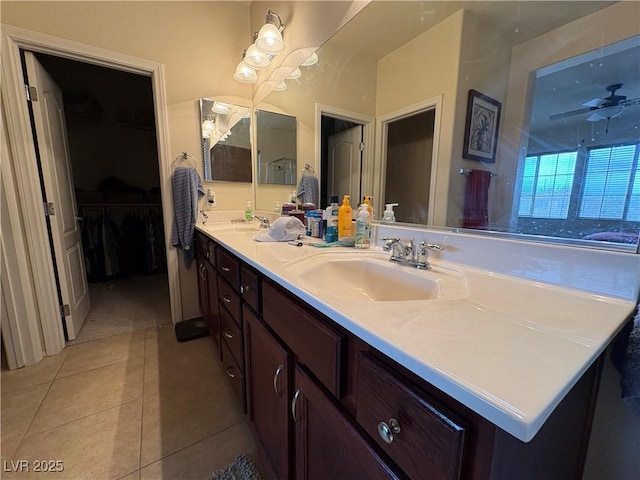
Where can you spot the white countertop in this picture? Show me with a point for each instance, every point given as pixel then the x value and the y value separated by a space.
pixel 509 349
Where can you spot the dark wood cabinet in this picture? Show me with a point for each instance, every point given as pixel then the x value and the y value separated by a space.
pixel 327 444
pixel 203 285
pixel 212 313
pixel 268 366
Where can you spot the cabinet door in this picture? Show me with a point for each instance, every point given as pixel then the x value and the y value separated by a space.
pixel 213 318
pixel 203 289
pixel 267 371
pixel 327 445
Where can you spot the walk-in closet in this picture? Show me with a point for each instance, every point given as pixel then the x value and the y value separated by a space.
pixel 110 125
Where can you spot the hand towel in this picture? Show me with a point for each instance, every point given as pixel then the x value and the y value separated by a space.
pixel 187 190
pixel 309 190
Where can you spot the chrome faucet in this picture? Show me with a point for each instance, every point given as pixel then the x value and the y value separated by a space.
pixel 408 253
pixel 264 221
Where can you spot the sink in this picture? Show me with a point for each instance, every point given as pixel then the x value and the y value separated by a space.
pixel 374 278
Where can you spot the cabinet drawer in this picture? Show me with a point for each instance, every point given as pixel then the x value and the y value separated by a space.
pixel 250 287
pixel 429 442
pixel 231 300
pixel 229 267
pixel 211 252
pixel 232 335
pixel 234 373
pixel 316 345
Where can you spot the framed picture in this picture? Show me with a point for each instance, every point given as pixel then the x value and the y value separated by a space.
pixel 481 129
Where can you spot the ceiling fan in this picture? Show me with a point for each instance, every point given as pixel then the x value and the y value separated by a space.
pixel 602 108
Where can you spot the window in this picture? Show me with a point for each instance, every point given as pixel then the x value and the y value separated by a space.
pixel 611 184
pixel 546 185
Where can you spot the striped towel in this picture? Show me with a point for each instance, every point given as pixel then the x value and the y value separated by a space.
pixel 187 190
pixel 309 190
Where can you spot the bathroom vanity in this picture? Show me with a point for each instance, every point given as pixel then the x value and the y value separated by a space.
pixel 391 387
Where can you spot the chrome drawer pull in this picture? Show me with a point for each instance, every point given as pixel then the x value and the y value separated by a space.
pixel 201 269
pixel 293 405
pixel 225 269
pixel 227 334
pixel 386 431
pixel 226 298
pixel 230 373
pixel 244 289
pixel 275 380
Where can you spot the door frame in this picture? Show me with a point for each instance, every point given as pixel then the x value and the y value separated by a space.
pixel 367 123
pixel 382 127
pixel 21 143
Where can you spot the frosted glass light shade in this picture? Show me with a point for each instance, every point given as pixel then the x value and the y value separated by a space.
pixel 270 39
pixel 207 128
pixel 245 74
pixel 220 107
pixel 281 87
pixel 256 58
pixel 312 60
pixel 295 74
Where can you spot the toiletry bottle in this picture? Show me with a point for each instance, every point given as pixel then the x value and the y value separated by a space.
pixel 248 212
pixel 345 220
pixel 363 228
pixel 331 214
pixel 367 200
pixel 388 215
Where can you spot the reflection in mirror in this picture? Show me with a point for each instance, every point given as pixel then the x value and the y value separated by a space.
pixel 277 148
pixel 511 52
pixel 580 177
pixel 226 144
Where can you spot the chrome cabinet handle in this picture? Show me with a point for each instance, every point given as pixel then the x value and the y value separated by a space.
pixel 225 269
pixel 244 288
pixel 201 269
pixel 275 381
pixel 230 373
pixel 227 334
pixel 386 431
pixel 226 298
pixel 293 405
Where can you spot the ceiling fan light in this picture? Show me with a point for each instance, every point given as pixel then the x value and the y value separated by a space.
pixel 220 107
pixel 312 60
pixel 605 113
pixel 282 86
pixel 297 73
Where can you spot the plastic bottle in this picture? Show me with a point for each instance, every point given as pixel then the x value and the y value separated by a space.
pixel 331 216
pixel 388 215
pixel 367 201
pixel 363 228
pixel 248 212
pixel 345 220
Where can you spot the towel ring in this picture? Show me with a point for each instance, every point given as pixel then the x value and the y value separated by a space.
pixel 184 156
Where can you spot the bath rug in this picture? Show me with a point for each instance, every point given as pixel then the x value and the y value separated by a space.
pixel 242 468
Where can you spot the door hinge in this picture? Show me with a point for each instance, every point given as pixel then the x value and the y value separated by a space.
pixel 31 93
pixel 362 146
pixel 49 209
pixel 65 310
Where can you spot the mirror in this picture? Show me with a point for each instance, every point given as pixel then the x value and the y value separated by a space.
pixel 277 148
pixel 393 55
pixel 226 141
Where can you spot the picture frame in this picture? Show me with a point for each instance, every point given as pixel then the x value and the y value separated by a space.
pixel 481 128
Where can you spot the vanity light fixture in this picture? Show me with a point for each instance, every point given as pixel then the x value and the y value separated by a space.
pixel 257 59
pixel 281 87
pixel 295 74
pixel 270 36
pixel 244 73
pixel 312 60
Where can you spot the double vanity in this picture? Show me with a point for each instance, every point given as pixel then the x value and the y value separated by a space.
pixel 351 366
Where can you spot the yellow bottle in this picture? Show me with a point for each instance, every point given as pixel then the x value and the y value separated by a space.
pixel 367 200
pixel 345 220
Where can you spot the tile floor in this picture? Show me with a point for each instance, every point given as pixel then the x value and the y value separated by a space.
pixel 138 405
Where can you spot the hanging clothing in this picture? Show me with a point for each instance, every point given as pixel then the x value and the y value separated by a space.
pixel 309 190
pixel 187 190
pixel 476 202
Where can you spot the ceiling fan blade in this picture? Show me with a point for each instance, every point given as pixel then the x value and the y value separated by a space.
pixel 596 102
pixel 558 116
pixel 632 102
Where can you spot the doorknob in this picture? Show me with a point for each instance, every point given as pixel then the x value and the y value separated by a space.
pixel 80 221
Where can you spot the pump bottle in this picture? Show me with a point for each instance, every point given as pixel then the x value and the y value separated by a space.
pixel 248 212
pixel 345 220
pixel 363 228
pixel 331 216
pixel 388 215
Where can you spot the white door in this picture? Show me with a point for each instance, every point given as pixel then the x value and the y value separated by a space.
pixel 344 165
pixel 58 183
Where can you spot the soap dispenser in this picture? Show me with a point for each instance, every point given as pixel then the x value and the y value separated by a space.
pixel 345 220
pixel 363 228
pixel 248 212
pixel 388 215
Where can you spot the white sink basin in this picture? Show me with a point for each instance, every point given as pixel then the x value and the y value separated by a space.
pixel 373 278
